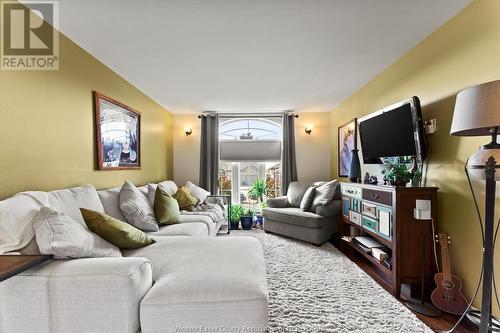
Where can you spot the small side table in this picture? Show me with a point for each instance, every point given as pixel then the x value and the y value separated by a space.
pixel 11 265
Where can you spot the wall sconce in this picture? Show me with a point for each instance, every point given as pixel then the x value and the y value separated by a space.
pixel 188 131
pixel 309 129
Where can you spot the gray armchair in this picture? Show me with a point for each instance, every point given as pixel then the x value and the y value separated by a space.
pixel 315 225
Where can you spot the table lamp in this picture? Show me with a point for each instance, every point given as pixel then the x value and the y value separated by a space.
pixel 477 113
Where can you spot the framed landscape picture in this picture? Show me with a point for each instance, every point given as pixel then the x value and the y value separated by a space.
pixel 348 137
pixel 118 134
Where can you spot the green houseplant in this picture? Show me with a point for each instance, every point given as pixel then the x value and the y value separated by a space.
pixel 247 219
pixel 236 212
pixel 397 172
pixel 258 190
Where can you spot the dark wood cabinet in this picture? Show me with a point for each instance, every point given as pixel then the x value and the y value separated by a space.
pixel 385 213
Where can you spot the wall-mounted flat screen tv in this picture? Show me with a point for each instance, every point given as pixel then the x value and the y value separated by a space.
pixel 393 131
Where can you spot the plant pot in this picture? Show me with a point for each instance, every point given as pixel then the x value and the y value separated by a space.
pixel 234 225
pixel 398 182
pixel 246 222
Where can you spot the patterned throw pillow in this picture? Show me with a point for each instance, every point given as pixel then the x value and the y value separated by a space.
pixel 136 208
pixel 308 198
pixel 166 208
pixel 119 233
pixel 199 193
pixel 58 234
pixel 185 199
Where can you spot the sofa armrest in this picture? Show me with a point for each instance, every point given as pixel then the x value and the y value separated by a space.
pixel 332 208
pixel 80 295
pixel 278 202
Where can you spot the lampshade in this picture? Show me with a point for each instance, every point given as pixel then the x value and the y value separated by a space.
pixel 477 110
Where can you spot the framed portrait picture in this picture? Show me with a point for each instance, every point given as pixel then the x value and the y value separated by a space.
pixel 348 137
pixel 118 134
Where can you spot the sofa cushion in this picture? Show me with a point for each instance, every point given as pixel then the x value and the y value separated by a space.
pixel 185 199
pixel 325 194
pixel 77 296
pixel 199 193
pixel 307 199
pixel 196 287
pixel 168 186
pixel 296 191
pixel 293 215
pixel 69 201
pixel 60 235
pixel 17 216
pixel 110 200
pixel 166 208
pixel 211 225
pixel 331 209
pixel 115 231
pixel 136 208
pixel 181 229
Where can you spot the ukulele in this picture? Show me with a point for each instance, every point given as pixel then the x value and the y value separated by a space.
pixel 447 296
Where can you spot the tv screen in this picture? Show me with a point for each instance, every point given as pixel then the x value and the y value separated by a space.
pixel 394 131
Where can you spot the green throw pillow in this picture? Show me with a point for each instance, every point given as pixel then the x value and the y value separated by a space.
pixel 166 208
pixel 185 199
pixel 118 233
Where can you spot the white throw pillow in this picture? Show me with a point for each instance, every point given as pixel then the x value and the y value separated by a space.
pixel 198 192
pixel 136 208
pixel 58 234
pixel 168 186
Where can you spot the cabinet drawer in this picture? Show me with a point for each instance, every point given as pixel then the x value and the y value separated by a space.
pixel 355 205
pixel 352 191
pixel 345 206
pixel 369 224
pixel 382 197
pixel 385 222
pixel 369 209
pixel 355 217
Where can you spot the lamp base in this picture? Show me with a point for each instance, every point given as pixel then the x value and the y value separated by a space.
pixel 426 309
pixel 474 316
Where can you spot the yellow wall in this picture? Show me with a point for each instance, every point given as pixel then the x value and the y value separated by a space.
pixel 463 52
pixel 313 151
pixel 47 127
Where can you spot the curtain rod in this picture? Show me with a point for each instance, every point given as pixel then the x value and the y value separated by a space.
pixel 246 115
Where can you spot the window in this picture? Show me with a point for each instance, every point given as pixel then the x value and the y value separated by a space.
pixel 250 151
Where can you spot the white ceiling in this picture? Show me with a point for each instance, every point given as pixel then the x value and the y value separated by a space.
pixel 248 55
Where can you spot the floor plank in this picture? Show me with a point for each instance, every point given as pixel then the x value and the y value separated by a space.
pixel 443 323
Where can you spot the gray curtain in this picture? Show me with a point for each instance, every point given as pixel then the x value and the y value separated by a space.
pixel 209 152
pixel 288 163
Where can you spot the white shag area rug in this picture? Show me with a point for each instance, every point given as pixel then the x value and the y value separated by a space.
pixel 318 289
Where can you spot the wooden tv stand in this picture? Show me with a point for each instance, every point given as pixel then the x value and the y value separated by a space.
pixel 385 213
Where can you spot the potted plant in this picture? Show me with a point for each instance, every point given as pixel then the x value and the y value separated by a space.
pixel 258 190
pixel 397 172
pixel 236 212
pixel 259 219
pixel 247 219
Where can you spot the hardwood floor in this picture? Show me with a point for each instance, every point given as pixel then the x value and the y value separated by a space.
pixel 443 323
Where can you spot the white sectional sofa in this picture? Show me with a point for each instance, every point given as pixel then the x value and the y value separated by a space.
pixel 186 281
